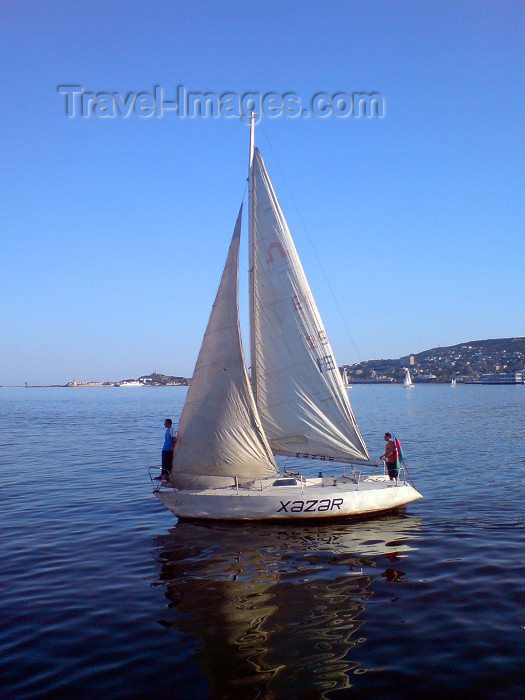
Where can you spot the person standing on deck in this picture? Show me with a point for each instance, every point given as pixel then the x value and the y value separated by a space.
pixel 167 450
pixel 390 456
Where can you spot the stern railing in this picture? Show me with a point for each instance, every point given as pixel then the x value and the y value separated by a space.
pixel 155 480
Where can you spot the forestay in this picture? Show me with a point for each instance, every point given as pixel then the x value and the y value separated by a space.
pixel 220 436
pixel 298 389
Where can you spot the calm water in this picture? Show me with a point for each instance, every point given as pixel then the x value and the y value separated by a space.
pixel 102 592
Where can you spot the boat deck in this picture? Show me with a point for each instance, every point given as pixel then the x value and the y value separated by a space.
pixel 294 484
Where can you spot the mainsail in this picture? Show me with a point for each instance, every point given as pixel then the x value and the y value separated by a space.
pixel 220 435
pixel 298 389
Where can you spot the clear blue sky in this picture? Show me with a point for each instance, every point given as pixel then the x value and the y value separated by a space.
pixel 115 231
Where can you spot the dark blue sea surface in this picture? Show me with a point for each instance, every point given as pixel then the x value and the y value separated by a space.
pixel 104 593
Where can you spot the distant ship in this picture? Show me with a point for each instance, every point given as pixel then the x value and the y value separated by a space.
pixel 504 378
pixel 129 382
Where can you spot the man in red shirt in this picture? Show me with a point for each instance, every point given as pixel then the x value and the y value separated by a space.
pixel 390 456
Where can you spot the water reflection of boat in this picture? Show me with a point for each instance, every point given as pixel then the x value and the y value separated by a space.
pixel 278 612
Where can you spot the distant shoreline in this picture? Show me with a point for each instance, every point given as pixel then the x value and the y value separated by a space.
pixel 84 386
pixel 160 386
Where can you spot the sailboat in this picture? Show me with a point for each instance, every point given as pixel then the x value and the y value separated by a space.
pixel 407 382
pixel 453 382
pixel 233 427
pixel 345 379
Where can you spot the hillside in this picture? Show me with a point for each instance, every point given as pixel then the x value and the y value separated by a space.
pixel 469 360
pixel 157 379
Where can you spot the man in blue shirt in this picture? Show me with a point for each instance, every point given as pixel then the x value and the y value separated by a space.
pixel 167 450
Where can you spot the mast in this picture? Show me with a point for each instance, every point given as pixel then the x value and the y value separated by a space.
pixel 252 139
pixel 251 255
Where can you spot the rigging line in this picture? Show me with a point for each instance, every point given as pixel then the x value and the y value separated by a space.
pixel 336 303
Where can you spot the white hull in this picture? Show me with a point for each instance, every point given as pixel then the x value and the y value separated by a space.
pixel 313 499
